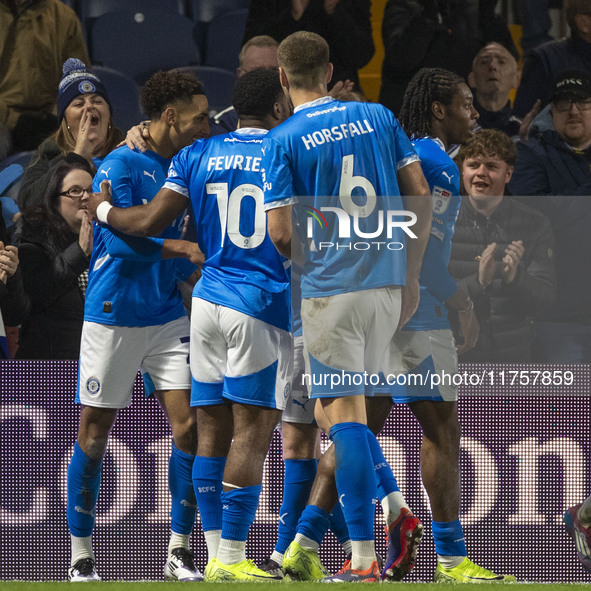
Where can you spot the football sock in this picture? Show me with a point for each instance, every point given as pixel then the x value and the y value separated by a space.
pixel 298 480
pixel 180 483
pixel 178 541
pixel 313 525
pixel 80 548
pixel 84 480
pixel 356 485
pixel 449 542
pixel 363 554
pixel 338 526
pixel 207 483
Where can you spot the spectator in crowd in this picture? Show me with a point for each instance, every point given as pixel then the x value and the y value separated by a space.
pixel 502 253
pixel 553 167
pixel 535 22
pixel 257 52
pixel 55 242
pixel 86 130
pixel 36 38
pixel 14 303
pixel 493 76
pixel 435 33
pixel 345 24
pixel 546 62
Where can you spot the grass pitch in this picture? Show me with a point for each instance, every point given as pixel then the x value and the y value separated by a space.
pixel 294 586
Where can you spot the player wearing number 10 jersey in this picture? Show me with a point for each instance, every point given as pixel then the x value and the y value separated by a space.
pixel 336 168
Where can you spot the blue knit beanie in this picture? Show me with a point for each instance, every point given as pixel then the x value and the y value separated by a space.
pixel 77 80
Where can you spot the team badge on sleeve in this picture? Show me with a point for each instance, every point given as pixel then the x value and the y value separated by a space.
pixel 441 199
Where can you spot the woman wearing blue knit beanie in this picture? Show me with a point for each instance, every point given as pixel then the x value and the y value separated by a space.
pixel 86 131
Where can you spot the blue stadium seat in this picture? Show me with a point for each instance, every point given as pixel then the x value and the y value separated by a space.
pixel 124 94
pixel 90 10
pixel 141 43
pixel 218 85
pixel 223 39
pixel 22 158
pixel 205 10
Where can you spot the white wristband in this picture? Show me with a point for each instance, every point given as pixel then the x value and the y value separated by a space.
pixel 102 211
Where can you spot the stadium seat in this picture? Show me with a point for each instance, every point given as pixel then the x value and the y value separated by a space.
pixel 223 39
pixel 205 10
pixel 218 85
pixel 22 158
pixel 11 172
pixel 124 94
pixel 141 43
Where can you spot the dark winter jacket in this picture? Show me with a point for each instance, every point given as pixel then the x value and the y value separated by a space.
pixel 504 312
pixel 558 180
pixel 51 279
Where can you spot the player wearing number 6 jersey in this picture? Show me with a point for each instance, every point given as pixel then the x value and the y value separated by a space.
pixel 240 340
pixel 338 169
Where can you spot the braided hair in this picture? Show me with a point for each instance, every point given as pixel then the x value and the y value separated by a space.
pixel 427 86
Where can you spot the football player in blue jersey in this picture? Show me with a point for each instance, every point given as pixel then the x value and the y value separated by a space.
pixel 347 159
pixel 135 319
pixel 437 113
pixel 240 339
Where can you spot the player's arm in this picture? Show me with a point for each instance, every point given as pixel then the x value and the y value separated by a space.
pixel 279 228
pixel 150 219
pixel 413 184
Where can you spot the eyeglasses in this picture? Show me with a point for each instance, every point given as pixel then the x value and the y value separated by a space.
pixel 564 104
pixel 76 192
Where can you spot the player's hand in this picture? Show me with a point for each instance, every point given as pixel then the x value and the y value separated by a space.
pixel 95 199
pixel 410 301
pixel 527 120
pixel 8 262
pixel 341 86
pixel 137 137
pixel 513 254
pixel 469 329
pixel 487 266
pixel 172 248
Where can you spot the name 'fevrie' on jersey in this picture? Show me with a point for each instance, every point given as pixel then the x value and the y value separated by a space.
pixel 126 292
pixel 341 155
pixel 242 269
pixel 436 283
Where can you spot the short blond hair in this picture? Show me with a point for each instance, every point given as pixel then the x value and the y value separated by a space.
pixel 258 41
pixel 304 56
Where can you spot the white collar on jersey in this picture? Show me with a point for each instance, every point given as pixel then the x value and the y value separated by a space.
pixel 251 131
pixel 314 103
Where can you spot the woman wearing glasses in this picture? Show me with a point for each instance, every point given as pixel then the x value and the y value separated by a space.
pixel 55 242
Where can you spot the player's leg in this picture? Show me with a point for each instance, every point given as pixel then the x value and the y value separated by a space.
pixel 84 478
pixel 577 520
pixel 180 564
pixel 109 358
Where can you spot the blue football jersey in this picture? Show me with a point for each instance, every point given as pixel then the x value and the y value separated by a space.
pixel 123 291
pixel 243 270
pixel 336 163
pixel 437 285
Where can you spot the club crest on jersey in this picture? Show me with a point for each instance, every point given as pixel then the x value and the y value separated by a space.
pixel 441 198
pixel 93 386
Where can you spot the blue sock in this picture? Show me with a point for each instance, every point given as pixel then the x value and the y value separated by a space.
pixel 449 538
pixel 314 523
pixel 338 526
pixel 180 484
pixel 84 481
pixel 207 484
pixel 355 477
pixel 385 479
pixel 239 508
pixel 297 484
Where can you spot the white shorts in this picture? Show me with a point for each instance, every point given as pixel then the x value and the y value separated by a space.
pixel 345 336
pixel 299 407
pixel 237 357
pixel 420 355
pixel 110 357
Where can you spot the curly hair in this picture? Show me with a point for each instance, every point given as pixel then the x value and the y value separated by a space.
pixel 255 93
pixel 489 142
pixel 165 88
pixel 427 86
